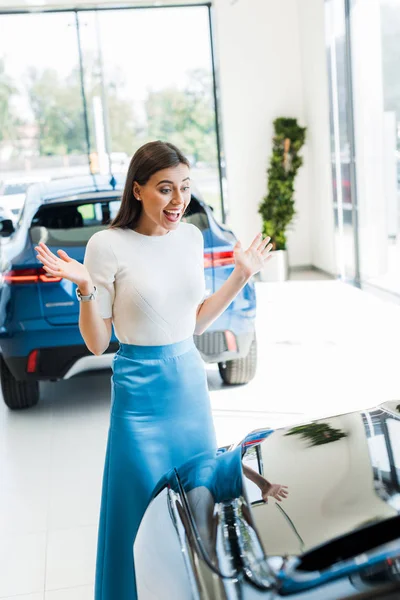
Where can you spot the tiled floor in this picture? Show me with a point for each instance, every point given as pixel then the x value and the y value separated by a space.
pixel 323 347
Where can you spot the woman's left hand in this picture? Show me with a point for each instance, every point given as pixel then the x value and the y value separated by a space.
pixel 274 490
pixel 252 260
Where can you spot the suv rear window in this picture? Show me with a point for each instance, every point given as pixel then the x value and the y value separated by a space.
pixel 71 223
pixel 196 215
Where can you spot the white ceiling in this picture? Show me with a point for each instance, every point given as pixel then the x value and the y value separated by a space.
pixel 49 4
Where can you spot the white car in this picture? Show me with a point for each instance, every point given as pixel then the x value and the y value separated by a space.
pixel 12 196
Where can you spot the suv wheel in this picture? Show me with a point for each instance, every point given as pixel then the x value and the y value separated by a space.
pixel 240 370
pixel 17 394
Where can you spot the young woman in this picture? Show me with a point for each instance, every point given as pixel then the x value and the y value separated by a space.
pixel 145 275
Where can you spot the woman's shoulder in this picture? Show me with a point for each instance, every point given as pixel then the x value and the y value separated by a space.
pixel 191 231
pixel 104 242
pixel 100 252
pixel 106 235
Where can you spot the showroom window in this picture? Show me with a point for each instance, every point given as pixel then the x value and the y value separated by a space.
pixel 342 149
pixel 363 51
pixel 103 83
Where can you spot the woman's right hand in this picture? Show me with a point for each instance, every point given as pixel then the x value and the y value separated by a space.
pixel 63 266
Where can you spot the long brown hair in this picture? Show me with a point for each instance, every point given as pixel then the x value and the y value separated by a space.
pixel 147 160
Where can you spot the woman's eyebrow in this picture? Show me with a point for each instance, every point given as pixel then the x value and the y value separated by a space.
pixel 171 182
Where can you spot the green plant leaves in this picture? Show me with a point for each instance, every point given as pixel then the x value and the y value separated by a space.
pixel 278 206
pixel 317 433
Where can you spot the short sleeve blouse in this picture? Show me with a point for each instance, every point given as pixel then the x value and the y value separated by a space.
pixel 101 263
pixel 151 286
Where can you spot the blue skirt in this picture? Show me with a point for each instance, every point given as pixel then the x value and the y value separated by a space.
pixel 160 417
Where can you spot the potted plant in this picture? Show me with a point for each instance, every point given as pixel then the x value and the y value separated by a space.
pixel 278 206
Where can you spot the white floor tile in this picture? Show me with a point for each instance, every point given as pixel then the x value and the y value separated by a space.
pixel 231 428
pixel 71 558
pixel 74 503
pixel 23 512
pixel 25 597
pixel 25 462
pixel 75 481
pixel 80 593
pixel 22 564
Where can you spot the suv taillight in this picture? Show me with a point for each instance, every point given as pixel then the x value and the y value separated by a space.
pixel 219 259
pixel 32 363
pixel 38 275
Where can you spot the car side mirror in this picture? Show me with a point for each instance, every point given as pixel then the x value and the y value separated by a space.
pixel 6 227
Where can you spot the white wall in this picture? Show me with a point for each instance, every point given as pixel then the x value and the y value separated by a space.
pixel 266 51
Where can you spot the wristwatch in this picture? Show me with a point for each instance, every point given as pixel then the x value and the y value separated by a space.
pixel 87 298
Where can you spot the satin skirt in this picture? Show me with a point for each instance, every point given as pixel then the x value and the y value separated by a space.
pixel 160 418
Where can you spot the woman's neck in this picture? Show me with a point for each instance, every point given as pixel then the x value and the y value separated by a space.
pixel 148 227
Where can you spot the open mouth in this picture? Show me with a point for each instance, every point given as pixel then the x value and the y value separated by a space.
pixel 172 215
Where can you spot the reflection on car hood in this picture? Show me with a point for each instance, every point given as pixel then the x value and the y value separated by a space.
pixel 342 515
pixel 343 475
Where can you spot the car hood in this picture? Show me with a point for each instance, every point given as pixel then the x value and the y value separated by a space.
pixel 341 516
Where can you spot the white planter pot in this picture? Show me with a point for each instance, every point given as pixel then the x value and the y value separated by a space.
pixel 277 268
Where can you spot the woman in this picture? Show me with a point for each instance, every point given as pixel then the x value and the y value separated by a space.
pixel 145 274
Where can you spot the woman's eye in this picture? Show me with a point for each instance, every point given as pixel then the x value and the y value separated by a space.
pixel 165 191
pixel 185 189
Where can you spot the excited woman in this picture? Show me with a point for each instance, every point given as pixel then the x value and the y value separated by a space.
pixel 145 275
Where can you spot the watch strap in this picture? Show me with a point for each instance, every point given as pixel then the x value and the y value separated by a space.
pixel 88 297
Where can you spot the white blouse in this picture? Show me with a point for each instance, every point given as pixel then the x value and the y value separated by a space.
pixel 151 286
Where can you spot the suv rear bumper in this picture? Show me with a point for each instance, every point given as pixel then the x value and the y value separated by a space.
pixel 63 362
pixel 60 362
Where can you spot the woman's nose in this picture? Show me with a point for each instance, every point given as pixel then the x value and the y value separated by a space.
pixel 177 198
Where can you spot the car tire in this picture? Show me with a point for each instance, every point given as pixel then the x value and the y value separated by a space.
pixel 240 370
pixel 17 394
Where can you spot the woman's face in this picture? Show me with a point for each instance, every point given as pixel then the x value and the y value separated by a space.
pixel 164 200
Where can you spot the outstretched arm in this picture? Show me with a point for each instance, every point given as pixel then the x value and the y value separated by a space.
pixel 247 263
pixel 274 490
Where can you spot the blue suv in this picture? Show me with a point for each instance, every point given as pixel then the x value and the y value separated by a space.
pixel 39 333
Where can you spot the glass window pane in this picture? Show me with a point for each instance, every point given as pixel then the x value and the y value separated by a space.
pixel 340 137
pixel 148 76
pixel 394 436
pixel 375 36
pixel 131 94
pixel 43 134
